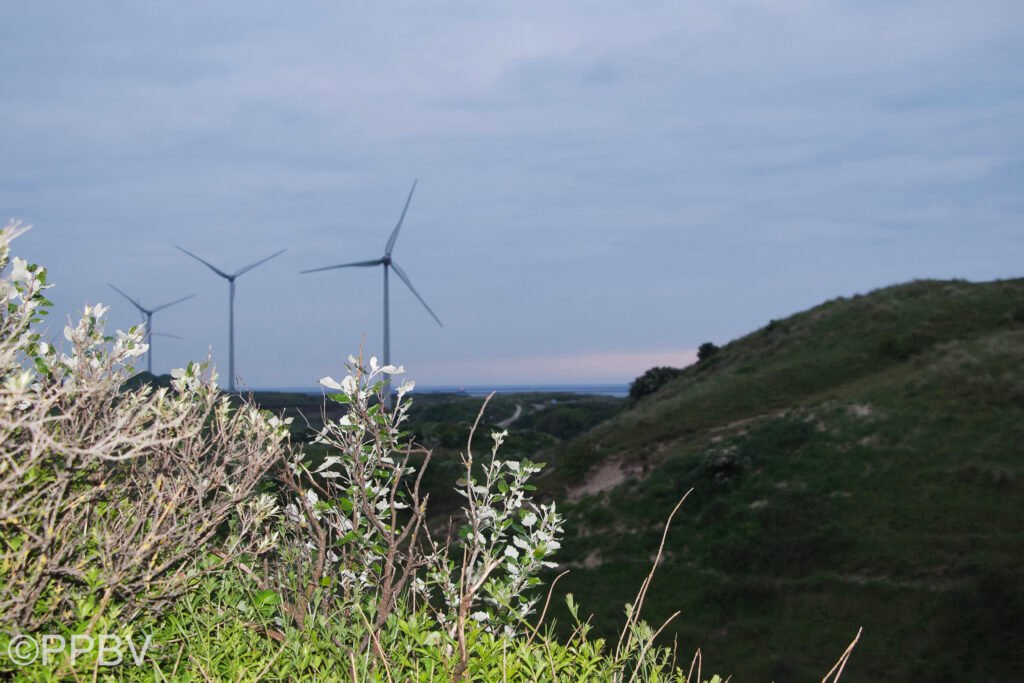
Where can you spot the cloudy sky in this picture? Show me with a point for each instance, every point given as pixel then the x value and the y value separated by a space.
pixel 602 185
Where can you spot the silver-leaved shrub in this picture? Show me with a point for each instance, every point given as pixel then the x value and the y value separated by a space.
pixel 111 500
pixel 187 516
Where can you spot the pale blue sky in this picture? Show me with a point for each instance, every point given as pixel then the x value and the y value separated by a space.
pixel 603 185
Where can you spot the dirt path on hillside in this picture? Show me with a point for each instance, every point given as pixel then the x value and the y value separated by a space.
pixel 504 424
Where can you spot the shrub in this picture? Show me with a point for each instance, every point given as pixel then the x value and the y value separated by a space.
pixel 901 347
pixel 109 498
pixel 652 380
pixel 170 513
pixel 706 351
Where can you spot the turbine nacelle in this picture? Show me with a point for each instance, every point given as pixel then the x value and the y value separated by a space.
pixel 389 264
pixel 231 277
pixel 387 261
pixel 148 313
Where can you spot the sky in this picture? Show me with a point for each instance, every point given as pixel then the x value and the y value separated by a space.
pixel 603 186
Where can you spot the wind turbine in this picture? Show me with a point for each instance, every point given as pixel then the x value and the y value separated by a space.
pixel 148 315
pixel 231 304
pixel 388 264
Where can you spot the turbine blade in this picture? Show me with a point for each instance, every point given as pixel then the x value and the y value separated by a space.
pixel 206 263
pixel 134 302
pixel 394 233
pixel 176 301
pixel 360 264
pixel 164 334
pixel 260 262
pixel 405 278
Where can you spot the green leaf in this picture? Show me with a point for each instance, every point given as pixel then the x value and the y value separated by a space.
pixel 347 538
pixel 267 597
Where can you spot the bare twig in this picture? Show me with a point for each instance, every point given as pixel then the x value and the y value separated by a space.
pixel 634 614
pixel 838 667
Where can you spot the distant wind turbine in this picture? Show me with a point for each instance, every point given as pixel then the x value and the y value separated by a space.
pixel 148 316
pixel 231 304
pixel 388 264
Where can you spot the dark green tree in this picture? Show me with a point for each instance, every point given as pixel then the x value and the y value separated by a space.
pixel 652 380
pixel 706 350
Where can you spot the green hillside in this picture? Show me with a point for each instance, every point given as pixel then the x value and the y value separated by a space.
pixel 857 464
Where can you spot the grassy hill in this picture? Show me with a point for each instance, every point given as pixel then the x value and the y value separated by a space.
pixel 857 464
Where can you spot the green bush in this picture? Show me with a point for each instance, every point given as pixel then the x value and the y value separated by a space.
pixel 652 380
pixel 705 351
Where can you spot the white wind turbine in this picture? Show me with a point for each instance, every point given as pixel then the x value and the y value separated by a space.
pixel 230 277
pixel 147 314
pixel 388 264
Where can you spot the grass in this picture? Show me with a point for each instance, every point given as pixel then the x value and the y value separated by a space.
pixel 856 464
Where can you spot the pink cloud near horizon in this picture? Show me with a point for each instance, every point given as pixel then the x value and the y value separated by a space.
pixel 601 367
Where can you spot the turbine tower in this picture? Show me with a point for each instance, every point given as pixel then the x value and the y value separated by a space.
pixel 388 264
pixel 147 314
pixel 231 277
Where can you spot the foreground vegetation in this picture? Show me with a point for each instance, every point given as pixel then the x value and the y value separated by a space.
pixel 171 534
